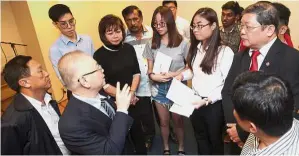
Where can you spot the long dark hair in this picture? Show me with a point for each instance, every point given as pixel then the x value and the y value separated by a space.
pixel 211 45
pixel 174 38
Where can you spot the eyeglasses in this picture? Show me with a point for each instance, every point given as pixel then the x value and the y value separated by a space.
pixel 248 28
pixel 99 68
pixel 198 26
pixel 65 24
pixel 161 25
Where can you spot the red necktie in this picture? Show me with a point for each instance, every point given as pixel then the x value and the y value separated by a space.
pixel 254 66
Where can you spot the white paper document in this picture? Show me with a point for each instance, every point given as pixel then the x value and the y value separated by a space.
pixel 162 63
pixel 183 98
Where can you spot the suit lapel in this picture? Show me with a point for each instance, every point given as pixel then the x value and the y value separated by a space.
pixel 245 61
pixel 271 61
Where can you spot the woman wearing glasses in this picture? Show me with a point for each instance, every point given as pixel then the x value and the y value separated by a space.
pixel 120 63
pixel 209 63
pixel 168 41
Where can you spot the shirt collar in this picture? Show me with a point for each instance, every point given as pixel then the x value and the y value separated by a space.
pixel 264 50
pixel 66 40
pixel 38 104
pixel 91 101
pixel 144 30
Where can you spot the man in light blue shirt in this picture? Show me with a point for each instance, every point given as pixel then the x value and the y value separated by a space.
pixel 69 40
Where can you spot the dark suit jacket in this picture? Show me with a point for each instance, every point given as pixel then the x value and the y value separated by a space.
pixel 280 60
pixel 86 130
pixel 23 130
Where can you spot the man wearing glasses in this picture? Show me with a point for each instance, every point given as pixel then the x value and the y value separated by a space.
pixel 259 27
pixel 90 125
pixel 62 18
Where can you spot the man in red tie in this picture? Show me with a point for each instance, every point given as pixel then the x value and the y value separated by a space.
pixel 283 28
pixel 259 28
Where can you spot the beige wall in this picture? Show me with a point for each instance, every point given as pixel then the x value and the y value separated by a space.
pixel 9 33
pixel 88 14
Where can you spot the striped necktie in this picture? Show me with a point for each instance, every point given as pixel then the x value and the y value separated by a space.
pixel 108 108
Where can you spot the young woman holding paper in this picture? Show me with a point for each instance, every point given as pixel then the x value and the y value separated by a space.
pixel 166 41
pixel 209 63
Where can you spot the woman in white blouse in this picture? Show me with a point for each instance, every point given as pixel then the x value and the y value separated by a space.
pixel 209 63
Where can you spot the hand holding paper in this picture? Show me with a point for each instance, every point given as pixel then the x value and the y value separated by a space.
pixel 183 98
pixel 200 103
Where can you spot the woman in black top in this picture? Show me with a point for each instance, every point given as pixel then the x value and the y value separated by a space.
pixel 120 64
pixel 117 58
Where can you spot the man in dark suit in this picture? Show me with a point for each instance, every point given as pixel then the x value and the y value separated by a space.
pixel 89 124
pixel 266 53
pixel 30 123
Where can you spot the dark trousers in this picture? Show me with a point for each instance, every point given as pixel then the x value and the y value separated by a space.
pixel 143 124
pixel 208 124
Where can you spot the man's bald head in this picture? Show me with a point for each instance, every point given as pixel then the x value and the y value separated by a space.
pixel 71 66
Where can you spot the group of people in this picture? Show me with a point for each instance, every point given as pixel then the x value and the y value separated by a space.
pixel 245 74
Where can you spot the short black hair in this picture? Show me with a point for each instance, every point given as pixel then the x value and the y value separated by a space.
pixel 110 22
pixel 130 9
pixel 268 2
pixel 284 13
pixel 233 6
pixel 16 69
pixel 266 14
pixel 57 11
pixel 166 2
pixel 264 99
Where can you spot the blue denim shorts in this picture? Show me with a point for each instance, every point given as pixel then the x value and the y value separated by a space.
pixel 159 91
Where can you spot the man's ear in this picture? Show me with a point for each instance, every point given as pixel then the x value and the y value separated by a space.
pixel 270 30
pixel 25 83
pixel 283 29
pixel 84 82
pixel 252 128
pixel 55 24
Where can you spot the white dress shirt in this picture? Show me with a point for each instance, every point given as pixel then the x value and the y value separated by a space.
pixel 96 102
pixel 51 118
pixel 264 51
pixel 183 27
pixel 210 85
